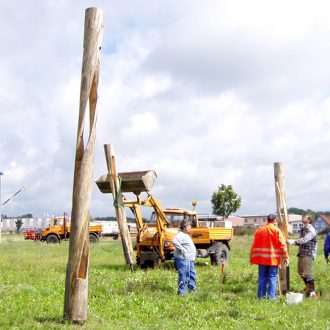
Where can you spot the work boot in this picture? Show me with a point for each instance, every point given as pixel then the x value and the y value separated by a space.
pixel 311 290
pixel 307 285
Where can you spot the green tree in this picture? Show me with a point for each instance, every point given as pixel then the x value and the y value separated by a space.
pixel 225 201
pixel 19 223
pixel 295 210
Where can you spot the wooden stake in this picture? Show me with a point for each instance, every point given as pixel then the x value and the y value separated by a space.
pixel 119 206
pixel 76 290
pixel 282 219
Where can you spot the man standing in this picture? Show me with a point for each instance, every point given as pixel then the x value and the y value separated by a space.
pixel 327 248
pixel 307 252
pixel 184 259
pixel 268 248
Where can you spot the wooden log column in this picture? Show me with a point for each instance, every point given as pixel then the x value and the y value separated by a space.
pixel 76 287
pixel 282 220
pixel 119 206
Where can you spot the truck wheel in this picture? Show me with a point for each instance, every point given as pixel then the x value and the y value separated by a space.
pixel 221 255
pixel 93 238
pixel 52 239
pixel 115 237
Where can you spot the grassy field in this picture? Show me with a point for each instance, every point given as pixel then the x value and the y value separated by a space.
pixel 32 276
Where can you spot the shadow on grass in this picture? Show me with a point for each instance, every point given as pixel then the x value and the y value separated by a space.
pixel 168 265
pixel 55 320
pixel 115 267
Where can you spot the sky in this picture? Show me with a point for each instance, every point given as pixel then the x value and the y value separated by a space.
pixel 203 92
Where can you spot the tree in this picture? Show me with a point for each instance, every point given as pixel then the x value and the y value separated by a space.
pixel 225 201
pixel 19 223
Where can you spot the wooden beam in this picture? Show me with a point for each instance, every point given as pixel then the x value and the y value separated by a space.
pixel 282 220
pixel 76 290
pixel 119 206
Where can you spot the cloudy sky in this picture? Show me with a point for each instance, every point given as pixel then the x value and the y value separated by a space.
pixel 203 92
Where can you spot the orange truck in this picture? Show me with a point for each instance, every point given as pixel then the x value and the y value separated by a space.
pixel 59 229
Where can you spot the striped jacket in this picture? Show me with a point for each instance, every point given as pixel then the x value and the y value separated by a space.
pixel 307 242
pixel 268 246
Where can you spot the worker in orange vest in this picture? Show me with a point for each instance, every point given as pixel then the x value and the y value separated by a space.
pixel 268 248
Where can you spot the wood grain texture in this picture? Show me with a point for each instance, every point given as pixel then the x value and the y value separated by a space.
pixel 118 202
pixel 77 305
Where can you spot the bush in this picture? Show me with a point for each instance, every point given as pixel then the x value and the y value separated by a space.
pixel 242 231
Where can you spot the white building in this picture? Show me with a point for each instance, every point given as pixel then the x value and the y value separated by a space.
pixel 9 225
pixel 295 223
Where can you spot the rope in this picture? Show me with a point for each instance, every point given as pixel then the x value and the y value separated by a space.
pixel 116 204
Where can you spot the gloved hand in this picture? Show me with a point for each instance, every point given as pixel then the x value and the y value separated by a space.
pixel 286 262
pixel 327 260
pixel 290 241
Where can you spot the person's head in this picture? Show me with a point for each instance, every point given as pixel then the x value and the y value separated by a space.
pixel 271 218
pixel 307 219
pixel 185 226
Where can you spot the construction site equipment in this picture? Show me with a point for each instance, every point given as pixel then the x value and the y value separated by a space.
pixel 154 237
pixel 60 228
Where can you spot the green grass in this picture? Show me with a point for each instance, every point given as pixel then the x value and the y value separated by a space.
pixel 32 277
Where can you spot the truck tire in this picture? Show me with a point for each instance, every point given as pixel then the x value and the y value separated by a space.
pixel 220 255
pixel 93 238
pixel 52 239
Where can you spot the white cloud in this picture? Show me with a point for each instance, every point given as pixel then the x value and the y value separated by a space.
pixel 204 93
pixel 140 124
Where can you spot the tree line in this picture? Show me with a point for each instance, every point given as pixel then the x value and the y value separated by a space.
pixel 315 214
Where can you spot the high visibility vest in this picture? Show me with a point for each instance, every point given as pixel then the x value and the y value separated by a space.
pixel 268 246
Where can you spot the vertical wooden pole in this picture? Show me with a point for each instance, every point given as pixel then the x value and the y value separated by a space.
pixel 76 290
pixel 119 206
pixel 282 219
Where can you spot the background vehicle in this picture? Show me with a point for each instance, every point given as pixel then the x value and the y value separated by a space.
pixel 59 229
pixel 110 229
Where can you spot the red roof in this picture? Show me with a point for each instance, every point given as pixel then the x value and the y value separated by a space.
pixel 325 218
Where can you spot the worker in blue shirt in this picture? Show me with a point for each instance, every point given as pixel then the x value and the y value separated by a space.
pixel 327 247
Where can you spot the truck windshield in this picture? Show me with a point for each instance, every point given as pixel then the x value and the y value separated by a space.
pixel 58 222
pixel 175 218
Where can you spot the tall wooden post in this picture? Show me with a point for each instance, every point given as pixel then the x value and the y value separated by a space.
pixel 76 286
pixel 119 206
pixel 282 219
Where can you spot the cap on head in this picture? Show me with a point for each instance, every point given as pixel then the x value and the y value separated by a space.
pixel 271 217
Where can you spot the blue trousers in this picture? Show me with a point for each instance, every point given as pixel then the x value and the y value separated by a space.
pixel 186 275
pixel 267 281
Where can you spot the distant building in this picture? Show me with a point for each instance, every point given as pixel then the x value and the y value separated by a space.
pixel 321 222
pixel 9 225
pixel 294 221
pixel 236 221
pixel 254 220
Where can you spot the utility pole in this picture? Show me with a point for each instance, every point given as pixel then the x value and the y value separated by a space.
pixel 1 174
pixel 282 219
pixel 76 283
pixel 119 206
pixel 5 202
